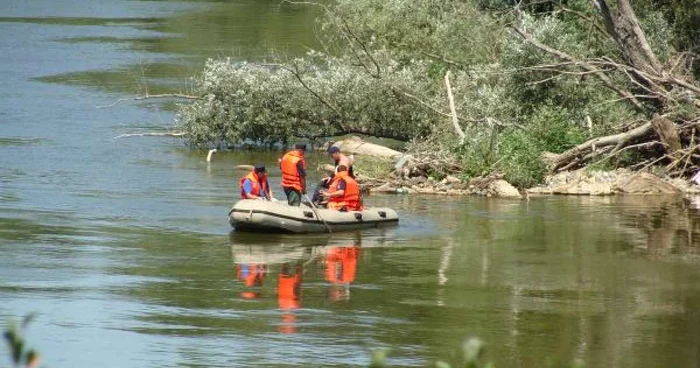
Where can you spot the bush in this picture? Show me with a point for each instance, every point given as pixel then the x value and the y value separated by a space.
pixel 383 76
pixel 268 104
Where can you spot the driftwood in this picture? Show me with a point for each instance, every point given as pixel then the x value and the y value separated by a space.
pixel 665 129
pixel 244 167
pixel 152 134
pixel 557 161
pixel 357 146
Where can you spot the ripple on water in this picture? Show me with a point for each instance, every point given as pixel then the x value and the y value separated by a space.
pixel 13 141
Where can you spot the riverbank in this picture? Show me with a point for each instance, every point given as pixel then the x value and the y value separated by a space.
pixel 383 170
pixel 580 182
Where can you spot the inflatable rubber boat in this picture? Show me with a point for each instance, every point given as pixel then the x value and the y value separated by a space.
pixel 277 216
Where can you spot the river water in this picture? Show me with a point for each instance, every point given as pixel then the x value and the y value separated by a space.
pixel 123 249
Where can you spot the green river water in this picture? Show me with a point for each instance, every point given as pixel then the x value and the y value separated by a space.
pixel 122 246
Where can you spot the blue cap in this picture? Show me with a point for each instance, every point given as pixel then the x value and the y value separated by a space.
pixel 333 149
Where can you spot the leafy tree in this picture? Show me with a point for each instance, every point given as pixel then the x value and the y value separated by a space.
pixel 528 77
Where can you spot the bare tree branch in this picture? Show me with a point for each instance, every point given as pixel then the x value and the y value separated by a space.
pixel 586 18
pixel 152 134
pixel 451 101
pixel 564 56
pixel 148 97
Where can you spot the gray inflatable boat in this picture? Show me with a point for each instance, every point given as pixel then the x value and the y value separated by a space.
pixel 277 216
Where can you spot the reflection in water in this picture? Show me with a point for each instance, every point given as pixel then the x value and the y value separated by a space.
pixel 252 275
pixel 254 261
pixel 289 295
pixel 341 267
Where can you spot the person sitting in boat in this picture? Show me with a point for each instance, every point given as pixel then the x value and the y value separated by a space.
pixel 339 159
pixel 293 166
pixel 255 184
pixel 344 192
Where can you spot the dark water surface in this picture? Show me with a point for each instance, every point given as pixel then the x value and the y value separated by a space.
pixel 123 248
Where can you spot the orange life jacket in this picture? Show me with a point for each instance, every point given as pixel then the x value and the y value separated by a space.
pixel 351 196
pixel 255 184
pixel 290 173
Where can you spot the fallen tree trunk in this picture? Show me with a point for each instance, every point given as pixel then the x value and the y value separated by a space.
pixel 666 130
pixel 357 146
pixel 557 161
pixel 152 134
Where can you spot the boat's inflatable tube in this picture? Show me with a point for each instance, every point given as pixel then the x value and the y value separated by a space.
pixel 274 216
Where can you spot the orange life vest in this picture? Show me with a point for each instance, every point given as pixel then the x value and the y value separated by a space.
pixel 290 173
pixel 255 184
pixel 351 196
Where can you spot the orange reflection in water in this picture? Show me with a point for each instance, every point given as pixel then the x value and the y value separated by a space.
pixel 289 295
pixel 339 271
pixel 252 274
pixel 341 268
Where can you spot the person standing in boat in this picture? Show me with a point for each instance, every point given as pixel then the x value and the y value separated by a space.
pixel 340 159
pixel 293 166
pixel 343 193
pixel 255 184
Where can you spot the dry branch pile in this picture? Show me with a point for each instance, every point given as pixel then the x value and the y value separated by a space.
pixel 425 158
pixel 664 92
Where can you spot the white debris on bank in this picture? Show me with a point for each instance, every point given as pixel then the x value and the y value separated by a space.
pixel 580 182
pixel 621 181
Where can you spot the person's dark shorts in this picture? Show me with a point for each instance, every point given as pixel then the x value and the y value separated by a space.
pixel 293 196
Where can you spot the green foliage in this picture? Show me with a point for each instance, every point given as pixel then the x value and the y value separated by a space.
pixel 521 161
pixel 683 24
pixel 601 165
pixel 378 358
pixel 268 104
pixel 517 153
pixel 478 152
pixel 14 336
pixel 373 167
pixel 381 74
pixel 472 356
pixel 554 129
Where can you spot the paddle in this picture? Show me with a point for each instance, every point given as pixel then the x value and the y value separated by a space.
pixel 313 208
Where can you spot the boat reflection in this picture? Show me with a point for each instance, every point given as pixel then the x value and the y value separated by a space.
pixel 293 258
